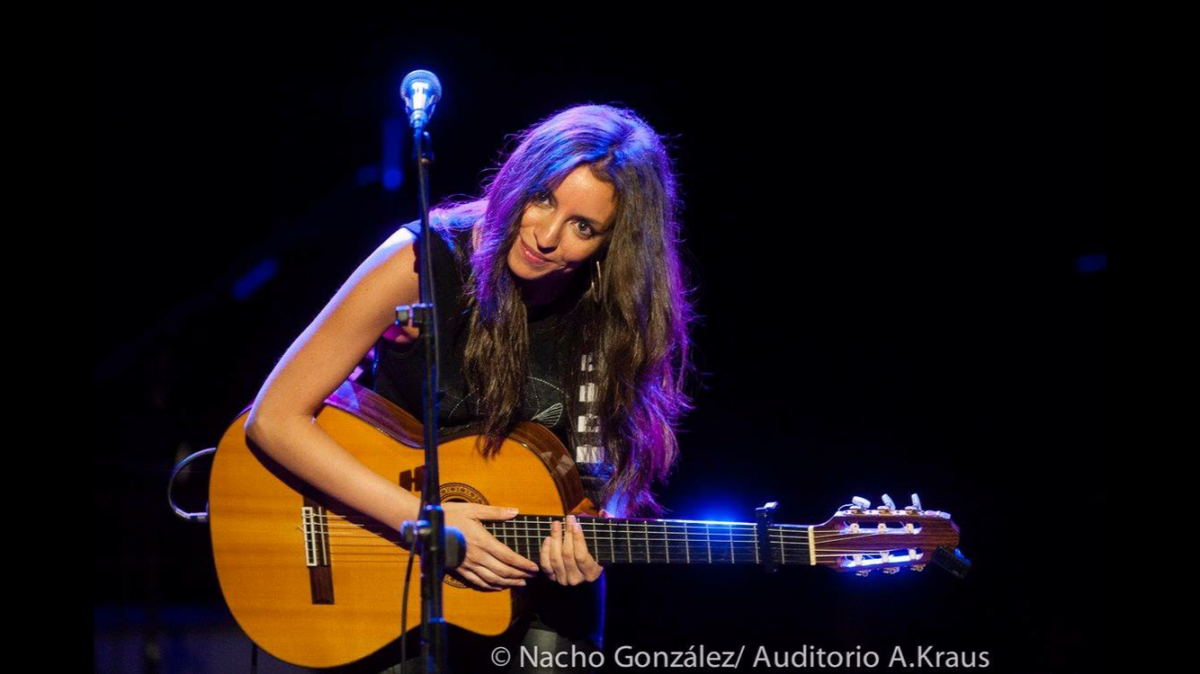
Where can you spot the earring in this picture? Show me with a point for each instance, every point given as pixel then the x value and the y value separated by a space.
pixel 597 288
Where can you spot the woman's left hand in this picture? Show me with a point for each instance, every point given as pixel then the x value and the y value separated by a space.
pixel 565 557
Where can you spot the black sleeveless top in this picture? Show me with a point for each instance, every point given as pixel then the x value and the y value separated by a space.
pixel 400 368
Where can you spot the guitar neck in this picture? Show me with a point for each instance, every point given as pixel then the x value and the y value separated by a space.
pixel 653 541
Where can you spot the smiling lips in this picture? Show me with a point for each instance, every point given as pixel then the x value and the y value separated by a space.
pixel 533 257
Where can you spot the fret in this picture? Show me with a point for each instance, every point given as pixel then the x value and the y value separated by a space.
pixel 666 531
pixel 727 538
pixel 541 527
pixel 532 535
pixel 687 545
pixel 708 540
pixel 799 539
pixel 520 535
pixel 646 535
pixel 594 540
pixel 586 525
pixel 612 549
pixel 675 533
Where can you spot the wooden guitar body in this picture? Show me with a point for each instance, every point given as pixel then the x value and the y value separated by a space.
pixel 317 584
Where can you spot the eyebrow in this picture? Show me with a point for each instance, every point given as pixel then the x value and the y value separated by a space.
pixel 592 222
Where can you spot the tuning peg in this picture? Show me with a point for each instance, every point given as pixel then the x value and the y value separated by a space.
pixel 891 570
pixel 861 502
pixel 916 500
pixel 917 567
pixel 887 501
pixel 863 573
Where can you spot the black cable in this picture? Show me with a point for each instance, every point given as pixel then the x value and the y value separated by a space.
pixel 404 600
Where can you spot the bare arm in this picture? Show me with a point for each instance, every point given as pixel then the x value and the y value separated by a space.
pixel 321 358
pixel 281 420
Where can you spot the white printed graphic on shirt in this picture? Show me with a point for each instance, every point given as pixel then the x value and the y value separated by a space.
pixel 550 415
pixel 587 427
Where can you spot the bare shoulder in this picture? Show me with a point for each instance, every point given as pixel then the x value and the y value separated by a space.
pixel 401 242
pixel 400 252
pixel 362 310
pixel 388 277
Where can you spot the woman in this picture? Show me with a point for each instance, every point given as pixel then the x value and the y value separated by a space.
pixel 565 276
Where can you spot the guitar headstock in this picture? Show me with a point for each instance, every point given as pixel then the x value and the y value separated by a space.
pixel 863 539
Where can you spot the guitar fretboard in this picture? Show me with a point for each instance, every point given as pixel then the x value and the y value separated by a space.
pixel 638 541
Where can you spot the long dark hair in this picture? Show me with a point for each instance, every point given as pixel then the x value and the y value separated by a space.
pixel 633 321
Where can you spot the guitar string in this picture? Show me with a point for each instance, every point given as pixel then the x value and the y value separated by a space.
pixel 652 545
pixel 686 530
pixel 829 551
pixel 655 554
pixel 673 536
pixel 626 544
pixel 401 556
pixel 669 537
pixel 511 536
pixel 541 519
pixel 634 551
pixel 796 529
pixel 625 552
pixel 678 529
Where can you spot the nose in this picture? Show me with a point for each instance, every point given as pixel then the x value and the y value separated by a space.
pixel 547 234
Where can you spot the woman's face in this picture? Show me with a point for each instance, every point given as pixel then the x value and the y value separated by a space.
pixel 563 231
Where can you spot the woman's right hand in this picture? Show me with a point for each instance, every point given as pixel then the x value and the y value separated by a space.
pixel 489 564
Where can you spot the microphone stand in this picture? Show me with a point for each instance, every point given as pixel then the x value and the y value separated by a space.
pixel 428 536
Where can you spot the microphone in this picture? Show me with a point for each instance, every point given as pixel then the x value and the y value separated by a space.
pixel 420 90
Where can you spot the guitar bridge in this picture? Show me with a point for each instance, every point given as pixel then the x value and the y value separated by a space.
pixel 315 524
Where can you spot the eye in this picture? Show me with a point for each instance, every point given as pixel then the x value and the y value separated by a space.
pixel 584 229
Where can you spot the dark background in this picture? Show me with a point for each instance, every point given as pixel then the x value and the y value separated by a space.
pixel 895 221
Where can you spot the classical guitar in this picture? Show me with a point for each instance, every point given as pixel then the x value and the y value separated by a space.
pixel 318 585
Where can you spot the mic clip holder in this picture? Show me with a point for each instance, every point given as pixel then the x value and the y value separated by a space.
pixel 418 537
pixel 414 315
